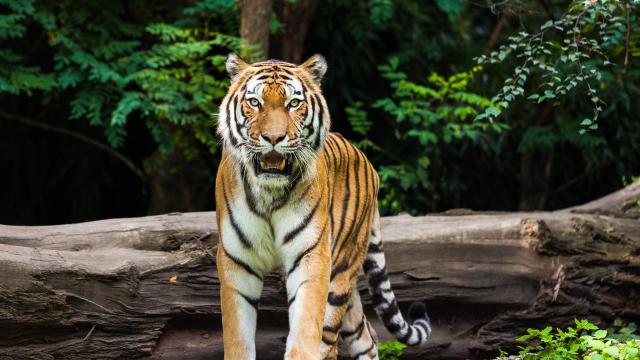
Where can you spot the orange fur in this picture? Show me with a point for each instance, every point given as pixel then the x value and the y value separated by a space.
pixel 314 218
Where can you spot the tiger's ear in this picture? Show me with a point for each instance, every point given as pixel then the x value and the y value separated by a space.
pixel 316 66
pixel 234 66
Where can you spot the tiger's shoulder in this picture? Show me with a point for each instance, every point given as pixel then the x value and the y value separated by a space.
pixel 344 158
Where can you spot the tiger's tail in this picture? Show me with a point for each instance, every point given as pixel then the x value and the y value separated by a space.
pixel 414 332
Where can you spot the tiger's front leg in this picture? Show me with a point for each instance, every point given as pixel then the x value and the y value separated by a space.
pixel 240 290
pixel 307 271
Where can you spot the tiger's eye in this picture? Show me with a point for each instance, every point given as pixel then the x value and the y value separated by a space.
pixel 294 103
pixel 254 102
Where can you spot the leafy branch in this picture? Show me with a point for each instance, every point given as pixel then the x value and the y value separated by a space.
pixel 567 53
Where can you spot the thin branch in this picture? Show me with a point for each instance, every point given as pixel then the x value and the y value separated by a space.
pixel 89 334
pixel 118 155
pixel 628 35
pixel 579 178
pixel 497 31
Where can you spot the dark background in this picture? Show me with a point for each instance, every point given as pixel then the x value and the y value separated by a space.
pixel 48 177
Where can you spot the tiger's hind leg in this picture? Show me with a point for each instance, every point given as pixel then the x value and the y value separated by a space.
pixel 343 280
pixel 356 332
pixel 338 302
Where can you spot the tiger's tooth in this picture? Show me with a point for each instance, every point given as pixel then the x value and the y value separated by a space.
pixel 281 165
pixel 263 164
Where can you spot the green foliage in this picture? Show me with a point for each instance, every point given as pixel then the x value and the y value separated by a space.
pixel 568 54
pixel 427 118
pixel 452 8
pixel 135 73
pixel 390 350
pixel 584 341
pixel 175 84
pixel 358 118
pixel 381 11
pixel 113 74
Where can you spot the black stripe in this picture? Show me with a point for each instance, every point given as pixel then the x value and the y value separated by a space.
pixel 243 238
pixel 316 143
pixel 303 254
pixel 364 352
pixel 310 126
pixel 269 62
pixel 387 313
pixel 377 277
pixel 338 300
pixel 330 143
pixel 242 264
pixel 303 224
pixel 329 341
pixel 285 71
pixel 283 200
pixel 345 207
pixel 235 110
pixel 368 265
pixel 366 181
pixel 356 204
pixel 407 336
pixel 357 330
pixel 233 140
pixel 339 269
pixel 374 248
pixel 420 338
pixel 304 116
pixel 331 329
pixel 249 196
pixel 293 298
pixel 253 302
pixel 262 71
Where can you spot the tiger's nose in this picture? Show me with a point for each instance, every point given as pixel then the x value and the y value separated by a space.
pixel 273 138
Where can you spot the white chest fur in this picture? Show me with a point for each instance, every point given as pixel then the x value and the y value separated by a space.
pixel 268 241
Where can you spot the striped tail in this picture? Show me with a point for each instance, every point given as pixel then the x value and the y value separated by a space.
pixel 418 329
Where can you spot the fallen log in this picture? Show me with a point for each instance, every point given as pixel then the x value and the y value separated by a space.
pixel 147 287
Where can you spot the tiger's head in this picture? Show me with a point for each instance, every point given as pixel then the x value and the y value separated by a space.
pixel 274 118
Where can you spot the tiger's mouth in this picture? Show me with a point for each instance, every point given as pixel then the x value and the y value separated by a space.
pixel 272 162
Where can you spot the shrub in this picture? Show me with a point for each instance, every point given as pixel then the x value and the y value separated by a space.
pixel 584 341
pixel 390 350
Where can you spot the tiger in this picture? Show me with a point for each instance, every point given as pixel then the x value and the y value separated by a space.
pixel 293 196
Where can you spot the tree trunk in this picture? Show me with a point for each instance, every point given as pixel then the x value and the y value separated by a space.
pixel 536 169
pixel 170 183
pixel 147 287
pixel 296 18
pixel 255 16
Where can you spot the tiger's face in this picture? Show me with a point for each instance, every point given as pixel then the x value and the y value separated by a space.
pixel 274 118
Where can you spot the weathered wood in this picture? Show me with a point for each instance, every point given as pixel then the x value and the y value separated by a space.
pixel 131 288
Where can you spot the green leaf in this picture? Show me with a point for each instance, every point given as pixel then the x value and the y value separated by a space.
pixel 600 334
pixel 451 7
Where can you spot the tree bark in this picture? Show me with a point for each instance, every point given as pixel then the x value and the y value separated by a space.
pixel 255 16
pixel 296 18
pixel 534 186
pixel 147 287
pixel 170 183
